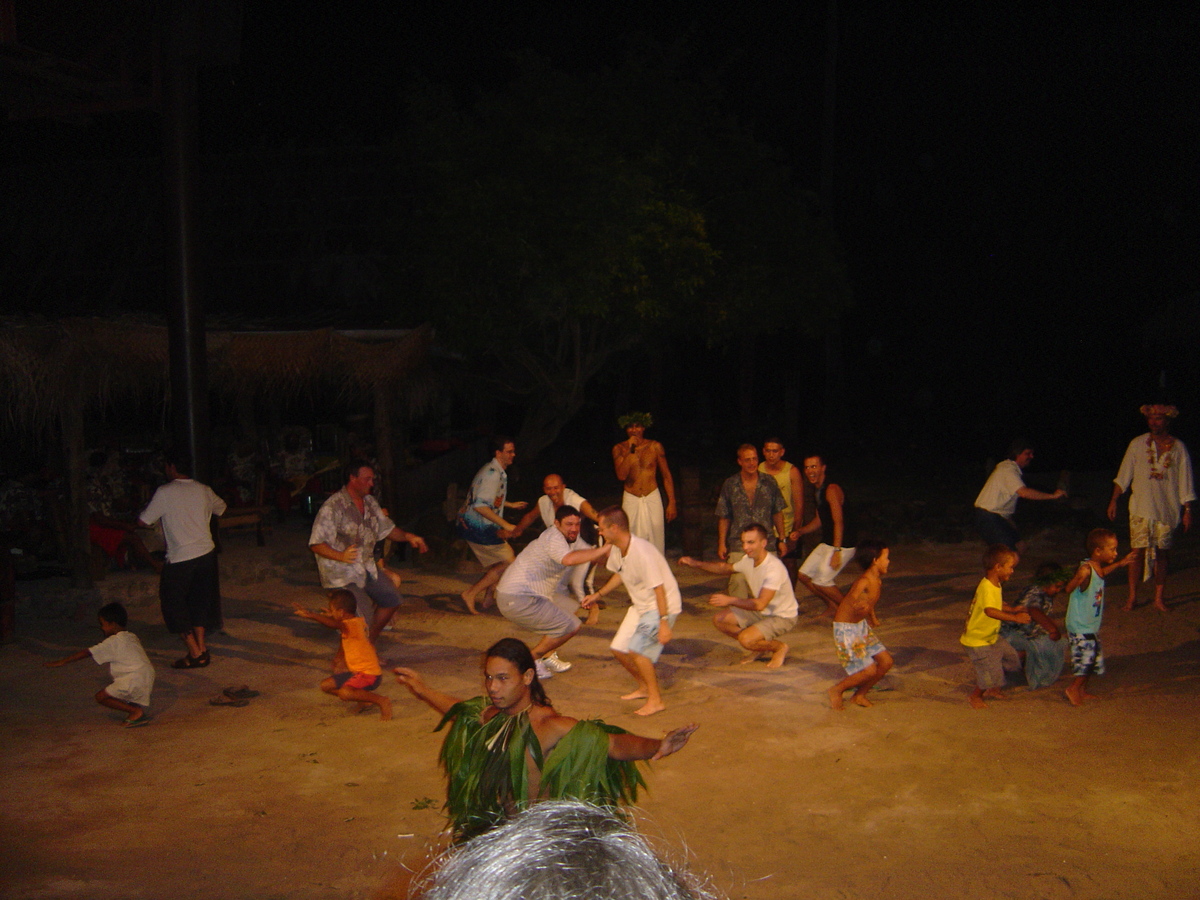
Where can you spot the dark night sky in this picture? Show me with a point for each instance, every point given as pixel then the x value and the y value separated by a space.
pixel 1015 183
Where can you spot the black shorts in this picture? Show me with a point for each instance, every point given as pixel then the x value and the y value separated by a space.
pixel 190 593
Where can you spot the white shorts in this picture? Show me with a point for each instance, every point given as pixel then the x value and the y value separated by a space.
pixel 817 565
pixel 639 634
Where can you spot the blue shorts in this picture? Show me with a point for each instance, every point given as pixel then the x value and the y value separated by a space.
pixel 1087 656
pixel 639 634
pixel 378 591
pixel 360 680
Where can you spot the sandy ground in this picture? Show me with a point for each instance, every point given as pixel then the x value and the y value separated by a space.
pixel 777 796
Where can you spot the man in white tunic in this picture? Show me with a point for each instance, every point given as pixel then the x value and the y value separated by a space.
pixel 1158 469
pixel 757 621
pixel 655 604
pixel 525 594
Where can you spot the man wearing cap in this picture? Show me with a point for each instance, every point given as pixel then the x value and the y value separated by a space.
pixel 1158 470
pixel 638 463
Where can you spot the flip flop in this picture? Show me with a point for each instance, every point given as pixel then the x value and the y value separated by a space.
pixel 239 693
pixel 188 662
pixel 228 701
pixel 141 720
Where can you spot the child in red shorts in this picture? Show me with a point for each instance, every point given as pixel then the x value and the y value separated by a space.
pixel 364 674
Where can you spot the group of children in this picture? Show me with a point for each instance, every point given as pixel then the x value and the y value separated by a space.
pixel 996 635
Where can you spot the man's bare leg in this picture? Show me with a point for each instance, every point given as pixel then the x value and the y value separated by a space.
pixel 752 639
pixel 649 677
pixel 484 585
pixel 1160 579
pixel 195 642
pixel 643 689
pixel 1133 574
pixel 548 644
pixel 831 596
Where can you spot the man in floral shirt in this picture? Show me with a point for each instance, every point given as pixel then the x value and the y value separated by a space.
pixel 1158 470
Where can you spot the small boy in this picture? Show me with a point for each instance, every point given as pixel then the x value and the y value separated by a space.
pixel 861 654
pixel 1085 609
pixel 990 654
pixel 1040 642
pixel 130 667
pixel 364 675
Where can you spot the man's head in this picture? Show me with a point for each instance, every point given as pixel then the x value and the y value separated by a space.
pixel 342 604
pixel 553 487
pixel 747 457
pixel 510 677
pixel 178 464
pixel 635 423
pixel 868 552
pixel 999 561
pixel 814 469
pixel 360 477
pixel 1158 417
pixel 504 450
pixel 113 618
pixel 613 525
pixel 566 520
pixel 773 450
pixel 754 541
pixel 1020 451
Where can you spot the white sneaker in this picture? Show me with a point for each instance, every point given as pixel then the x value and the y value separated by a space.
pixel 554 664
pixel 543 672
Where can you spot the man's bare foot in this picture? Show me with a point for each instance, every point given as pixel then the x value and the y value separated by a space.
pixel 862 700
pixel 1075 695
pixel 835 699
pixel 469 599
pixel 977 702
pixel 593 617
pixel 639 694
pixel 1161 607
pixel 385 709
pixel 778 657
pixel 649 709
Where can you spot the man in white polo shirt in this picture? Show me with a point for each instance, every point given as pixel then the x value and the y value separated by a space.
pixel 189 588
pixel 655 604
pixel 527 587
pixel 997 502
pixel 755 622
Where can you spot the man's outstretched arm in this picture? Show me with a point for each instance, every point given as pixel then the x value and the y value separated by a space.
pixel 626 747
pixel 411 680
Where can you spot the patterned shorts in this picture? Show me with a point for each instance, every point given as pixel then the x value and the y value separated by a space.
pixel 856 645
pixel 1087 656
pixel 1149 533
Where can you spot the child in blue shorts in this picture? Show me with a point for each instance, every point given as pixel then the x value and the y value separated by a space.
pixel 1085 610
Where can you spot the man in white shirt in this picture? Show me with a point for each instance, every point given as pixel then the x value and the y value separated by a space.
pixel 997 502
pixel 756 621
pixel 655 604
pixel 526 590
pixel 1158 469
pixel 189 588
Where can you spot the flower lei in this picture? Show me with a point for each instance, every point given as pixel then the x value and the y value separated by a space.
pixel 1154 458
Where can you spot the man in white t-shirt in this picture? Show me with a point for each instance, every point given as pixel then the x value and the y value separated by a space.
pixel 770 610
pixel 555 493
pixel 997 502
pixel 655 604
pixel 525 593
pixel 189 588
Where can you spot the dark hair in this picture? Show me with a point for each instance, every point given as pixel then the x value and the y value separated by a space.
pixel 500 441
pixel 1017 447
pixel 565 510
pixel 340 598
pixel 560 849
pixel 1098 536
pixel 115 613
pixel 1049 574
pixel 614 515
pixel 353 467
pixel 744 447
pixel 180 459
pixel 774 440
pixel 757 527
pixel 867 552
pixel 813 454
pixel 519 655
pixel 996 552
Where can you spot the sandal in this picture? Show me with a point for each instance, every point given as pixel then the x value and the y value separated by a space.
pixel 228 701
pixel 241 693
pixel 143 719
pixel 188 662
pixel 203 660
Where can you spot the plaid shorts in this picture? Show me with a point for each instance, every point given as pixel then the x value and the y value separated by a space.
pixel 1087 656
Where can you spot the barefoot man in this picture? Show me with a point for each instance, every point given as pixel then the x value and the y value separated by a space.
pixel 638 462
pixel 829 557
pixel 1159 471
pixel 656 603
pixel 770 611
pixel 482 525
pixel 543 755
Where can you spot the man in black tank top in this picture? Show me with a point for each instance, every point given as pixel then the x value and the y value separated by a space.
pixel 836 548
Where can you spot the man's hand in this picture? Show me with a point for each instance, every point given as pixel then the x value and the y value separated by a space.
pixel 1112 509
pixel 721 600
pixel 1058 494
pixel 520 504
pixel 418 543
pixel 671 513
pixel 664 632
pixel 835 560
pixel 590 600
pixel 350 554
pixel 722 553
pixel 410 679
pixel 674 741
pixel 505 533
pixel 689 561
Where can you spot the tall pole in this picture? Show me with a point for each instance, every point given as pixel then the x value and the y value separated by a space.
pixel 185 309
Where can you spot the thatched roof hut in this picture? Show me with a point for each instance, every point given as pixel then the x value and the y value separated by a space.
pixel 53 374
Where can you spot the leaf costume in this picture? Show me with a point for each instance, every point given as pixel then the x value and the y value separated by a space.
pixel 485 764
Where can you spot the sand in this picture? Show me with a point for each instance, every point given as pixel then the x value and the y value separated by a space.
pixel 776 796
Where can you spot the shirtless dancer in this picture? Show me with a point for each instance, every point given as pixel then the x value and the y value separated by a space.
pixel 638 462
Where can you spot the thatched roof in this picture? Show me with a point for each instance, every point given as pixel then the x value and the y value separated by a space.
pixel 95 362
